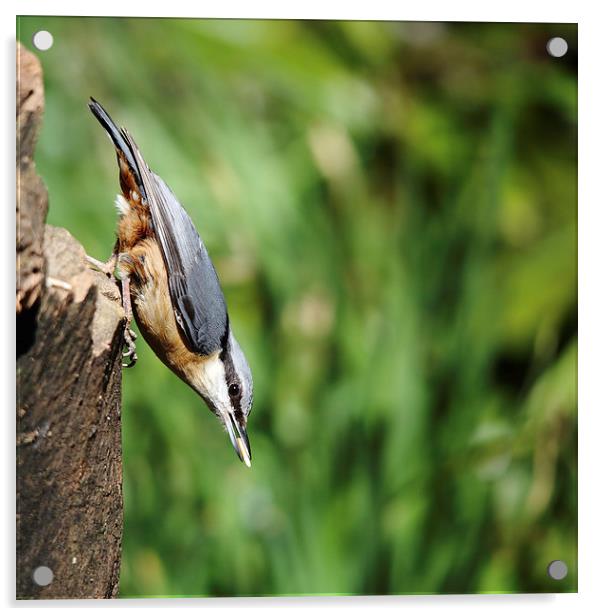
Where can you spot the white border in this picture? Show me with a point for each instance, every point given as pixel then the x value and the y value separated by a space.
pixel 512 10
pixel 590 279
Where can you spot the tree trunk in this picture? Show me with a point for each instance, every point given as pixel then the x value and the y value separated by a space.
pixel 69 338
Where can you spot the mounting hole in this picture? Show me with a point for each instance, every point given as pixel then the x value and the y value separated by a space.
pixel 557 47
pixel 42 40
pixel 557 569
pixel 43 576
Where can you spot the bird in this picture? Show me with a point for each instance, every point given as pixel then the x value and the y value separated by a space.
pixel 170 286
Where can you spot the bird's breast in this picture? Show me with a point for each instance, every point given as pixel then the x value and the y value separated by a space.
pixel 154 311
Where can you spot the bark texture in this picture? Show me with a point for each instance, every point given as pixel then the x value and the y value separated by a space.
pixel 32 200
pixel 69 338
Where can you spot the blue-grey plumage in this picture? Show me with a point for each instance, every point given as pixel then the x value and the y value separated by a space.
pixel 194 287
pixel 175 291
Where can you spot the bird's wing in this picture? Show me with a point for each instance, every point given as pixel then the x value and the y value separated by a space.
pixel 196 295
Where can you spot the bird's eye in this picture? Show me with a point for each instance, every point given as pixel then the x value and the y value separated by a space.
pixel 234 389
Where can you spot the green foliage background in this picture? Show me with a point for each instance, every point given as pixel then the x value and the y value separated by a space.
pixel 391 208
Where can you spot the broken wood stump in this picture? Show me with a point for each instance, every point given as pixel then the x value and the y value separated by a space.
pixel 70 328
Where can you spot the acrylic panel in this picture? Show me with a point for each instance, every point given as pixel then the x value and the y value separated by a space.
pixel 390 210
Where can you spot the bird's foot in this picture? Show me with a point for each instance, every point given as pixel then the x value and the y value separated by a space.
pixel 108 268
pixel 129 334
pixel 129 338
pixel 112 270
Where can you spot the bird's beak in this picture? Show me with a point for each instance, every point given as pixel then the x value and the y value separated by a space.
pixel 240 440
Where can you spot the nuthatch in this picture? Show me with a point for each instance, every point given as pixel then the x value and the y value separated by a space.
pixel 169 283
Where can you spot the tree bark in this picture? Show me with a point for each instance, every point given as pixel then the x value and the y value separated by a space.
pixel 69 339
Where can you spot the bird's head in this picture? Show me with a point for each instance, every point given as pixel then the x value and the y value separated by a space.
pixel 224 381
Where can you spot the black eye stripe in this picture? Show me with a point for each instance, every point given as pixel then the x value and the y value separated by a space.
pixel 231 378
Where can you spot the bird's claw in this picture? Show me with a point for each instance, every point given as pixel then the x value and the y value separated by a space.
pixel 133 360
pixel 129 337
pixel 108 268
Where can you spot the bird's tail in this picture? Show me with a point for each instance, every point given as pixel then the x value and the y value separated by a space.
pixel 123 145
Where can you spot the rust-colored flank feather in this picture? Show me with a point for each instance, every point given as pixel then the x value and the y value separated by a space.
pixel 150 291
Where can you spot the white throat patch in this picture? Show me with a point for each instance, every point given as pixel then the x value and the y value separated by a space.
pixel 210 379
